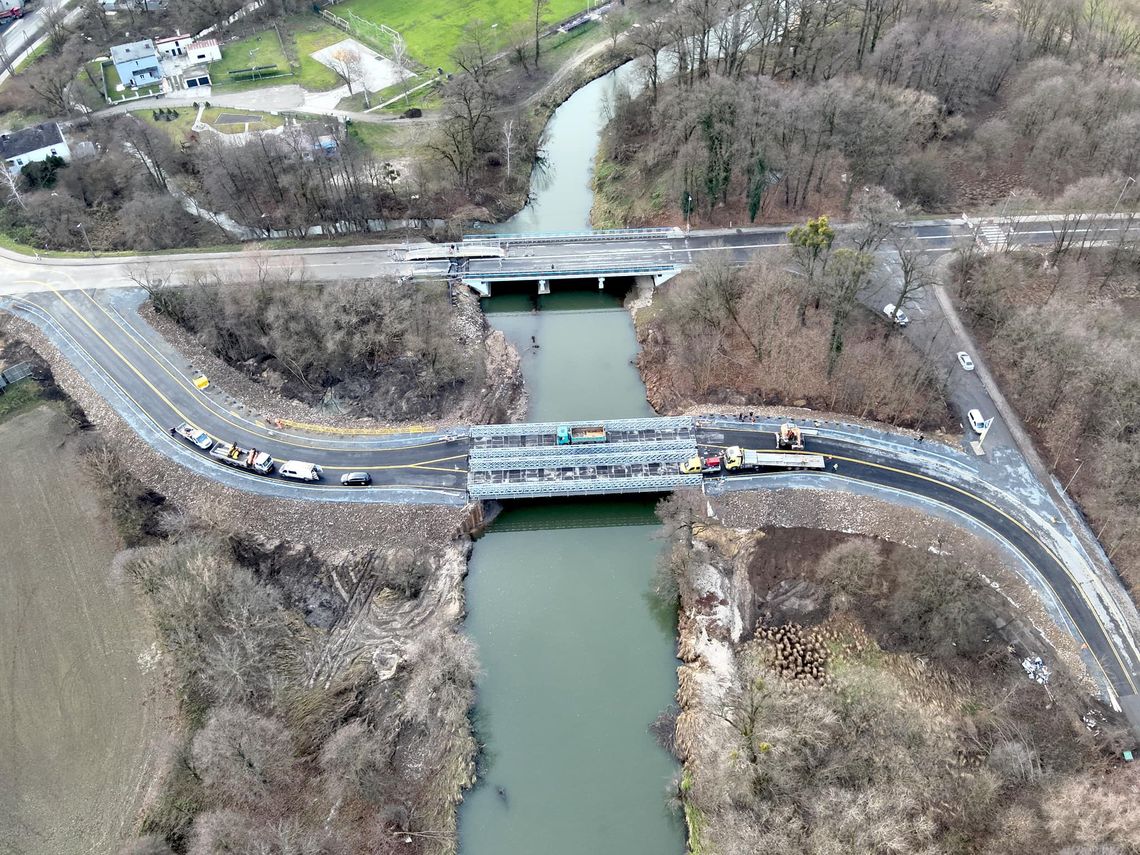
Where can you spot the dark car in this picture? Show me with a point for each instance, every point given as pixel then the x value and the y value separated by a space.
pixel 355 479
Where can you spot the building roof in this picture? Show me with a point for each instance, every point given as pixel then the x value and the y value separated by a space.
pixel 175 38
pixel 134 50
pixel 30 139
pixel 205 43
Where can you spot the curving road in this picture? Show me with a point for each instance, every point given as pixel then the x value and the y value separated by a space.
pixel 83 306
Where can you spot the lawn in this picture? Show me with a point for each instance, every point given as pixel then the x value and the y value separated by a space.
pixel 381 140
pixel 309 35
pixel 432 28
pixel 178 129
pixel 18 398
pixel 262 48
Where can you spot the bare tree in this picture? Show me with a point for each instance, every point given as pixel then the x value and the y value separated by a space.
pixel 12 185
pixel 346 65
pixel 508 140
pixel 916 272
pixel 615 24
pixel 243 758
pixel 538 8
pixel 476 48
pixel 400 60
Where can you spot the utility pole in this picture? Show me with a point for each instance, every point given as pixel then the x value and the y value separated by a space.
pixel 83 229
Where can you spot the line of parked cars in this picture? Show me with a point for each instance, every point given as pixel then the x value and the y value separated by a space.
pixel 294 470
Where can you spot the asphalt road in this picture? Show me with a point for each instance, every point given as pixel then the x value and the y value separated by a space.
pixel 83 300
pixel 526 259
pixel 161 387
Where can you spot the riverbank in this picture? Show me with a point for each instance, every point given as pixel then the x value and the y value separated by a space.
pixel 337 629
pixel 811 658
pixel 733 338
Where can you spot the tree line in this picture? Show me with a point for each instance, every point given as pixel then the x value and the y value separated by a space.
pixel 756 107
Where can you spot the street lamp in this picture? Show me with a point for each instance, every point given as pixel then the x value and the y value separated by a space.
pixel 1127 181
pixel 687 201
pixel 1080 463
pixel 83 229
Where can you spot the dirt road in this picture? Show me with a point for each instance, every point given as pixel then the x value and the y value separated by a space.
pixel 80 725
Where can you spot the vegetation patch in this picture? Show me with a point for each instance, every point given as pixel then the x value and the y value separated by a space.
pixel 432 28
pixel 876 703
pixel 1064 339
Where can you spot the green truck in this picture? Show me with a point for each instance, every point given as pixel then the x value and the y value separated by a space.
pixel 581 434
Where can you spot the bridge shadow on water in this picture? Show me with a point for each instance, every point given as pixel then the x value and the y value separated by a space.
pixel 567 295
pixel 580 512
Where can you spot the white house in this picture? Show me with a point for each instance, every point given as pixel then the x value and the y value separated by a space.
pixel 37 143
pixel 172 46
pixel 206 50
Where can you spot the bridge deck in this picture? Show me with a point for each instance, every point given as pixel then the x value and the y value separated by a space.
pixel 525 461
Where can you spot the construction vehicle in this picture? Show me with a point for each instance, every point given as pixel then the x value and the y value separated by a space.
pixel 11 10
pixel 581 434
pixel 789 436
pixel 698 465
pixel 737 459
pixel 249 459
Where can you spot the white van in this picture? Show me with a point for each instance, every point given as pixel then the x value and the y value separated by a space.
pixel 298 470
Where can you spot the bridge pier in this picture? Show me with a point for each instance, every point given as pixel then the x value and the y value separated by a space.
pixel 601 283
pixel 543 287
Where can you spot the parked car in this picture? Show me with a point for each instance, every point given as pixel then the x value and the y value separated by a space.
pixel 298 470
pixel 355 479
pixel 965 361
pixel 192 434
pixel 896 314
pixel 976 421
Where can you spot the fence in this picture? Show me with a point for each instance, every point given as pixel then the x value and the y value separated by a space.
pixel 386 41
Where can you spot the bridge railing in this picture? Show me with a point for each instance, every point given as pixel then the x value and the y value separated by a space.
pixel 605 453
pixel 578 237
pixel 492 463
pixel 597 486
pixel 568 272
pixel 658 423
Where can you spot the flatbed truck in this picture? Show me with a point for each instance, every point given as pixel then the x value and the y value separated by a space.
pixel 249 459
pixel 737 459
pixel 581 434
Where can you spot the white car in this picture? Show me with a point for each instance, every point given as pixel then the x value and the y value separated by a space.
pixel 192 434
pixel 299 470
pixel 965 361
pixel 896 314
pixel 976 421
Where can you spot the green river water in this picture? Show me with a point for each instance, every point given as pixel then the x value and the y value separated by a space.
pixel 577 655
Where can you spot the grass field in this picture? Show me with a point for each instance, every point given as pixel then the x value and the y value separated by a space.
pixel 259 49
pixel 81 688
pixel 381 140
pixel 432 28
pixel 18 398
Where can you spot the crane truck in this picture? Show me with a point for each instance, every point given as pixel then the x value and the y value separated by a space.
pixel 249 459
pixel 737 459
pixel 789 436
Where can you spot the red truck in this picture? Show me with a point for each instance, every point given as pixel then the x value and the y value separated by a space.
pixel 11 10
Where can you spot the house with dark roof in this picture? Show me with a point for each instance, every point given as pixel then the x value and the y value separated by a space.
pixel 137 63
pixel 30 145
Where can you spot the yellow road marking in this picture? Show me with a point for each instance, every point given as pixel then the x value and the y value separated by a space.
pixel 1064 567
pixel 168 402
pixel 187 384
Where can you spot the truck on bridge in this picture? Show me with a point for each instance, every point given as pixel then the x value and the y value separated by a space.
pixel 580 434
pixel 737 459
pixel 249 459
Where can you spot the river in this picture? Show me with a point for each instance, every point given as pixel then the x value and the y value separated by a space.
pixel 578 656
